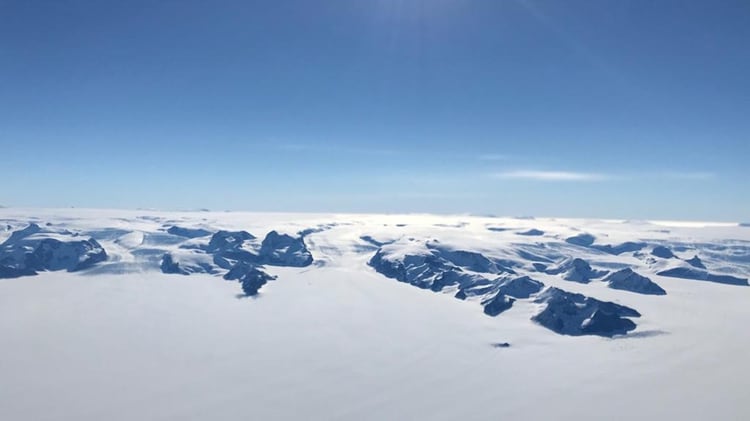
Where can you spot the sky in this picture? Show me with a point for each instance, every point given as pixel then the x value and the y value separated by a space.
pixel 615 109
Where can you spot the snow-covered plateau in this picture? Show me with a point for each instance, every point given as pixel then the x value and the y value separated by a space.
pixel 122 315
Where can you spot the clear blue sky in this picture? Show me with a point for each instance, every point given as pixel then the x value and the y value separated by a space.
pixel 631 109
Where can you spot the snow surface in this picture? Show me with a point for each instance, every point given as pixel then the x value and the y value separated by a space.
pixel 338 340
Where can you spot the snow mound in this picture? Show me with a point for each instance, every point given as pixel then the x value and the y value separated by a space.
pixel 573 314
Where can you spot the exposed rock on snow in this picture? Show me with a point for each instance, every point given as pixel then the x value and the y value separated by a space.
pixel 573 314
pixel 696 262
pixel 423 270
pixel 284 250
pixel 577 270
pixel 702 275
pixel 187 262
pixel 468 260
pixel 188 232
pixel 497 304
pixel 34 249
pixel 521 287
pixel 628 280
pixel 251 278
pixel 531 233
pixel 583 240
pixel 663 252
pixel 228 240
pixel 626 247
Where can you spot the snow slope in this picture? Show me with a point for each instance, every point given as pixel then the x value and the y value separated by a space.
pixel 336 339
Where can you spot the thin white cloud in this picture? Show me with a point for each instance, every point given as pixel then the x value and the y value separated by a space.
pixel 590 176
pixel 551 175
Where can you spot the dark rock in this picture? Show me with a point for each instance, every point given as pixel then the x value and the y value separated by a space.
pixel 168 265
pixel 373 241
pixel 187 263
pixel 577 270
pixel 696 262
pixel 53 254
pixel 573 314
pixel 251 278
pixel 539 267
pixel 497 304
pixel 628 280
pixel 702 275
pixel 522 287
pixel 34 249
pixel 188 232
pixel 284 250
pixel 663 252
pixel 500 345
pixel 531 233
pixel 626 247
pixel 426 271
pixel 469 260
pixel 606 324
pixel 497 229
pixel 583 240
pixel 228 240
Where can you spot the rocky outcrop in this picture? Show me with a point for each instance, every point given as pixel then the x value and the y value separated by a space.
pixel 628 280
pixel 577 270
pixel 250 277
pixel 520 287
pixel 425 271
pixel 583 240
pixel 497 304
pixel 618 249
pixel 188 232
pixel 573 314
pixel 662 252
pixel 531 233
pixel 284 250
pixel 34 249
pixel 696 262
pixel 228 240
pixel 702 275
pixel 468 260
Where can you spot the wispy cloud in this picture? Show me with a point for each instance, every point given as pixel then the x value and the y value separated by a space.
pixel 551 175
pixel 554 175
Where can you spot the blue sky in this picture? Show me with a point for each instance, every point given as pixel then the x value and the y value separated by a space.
pixel 624 109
